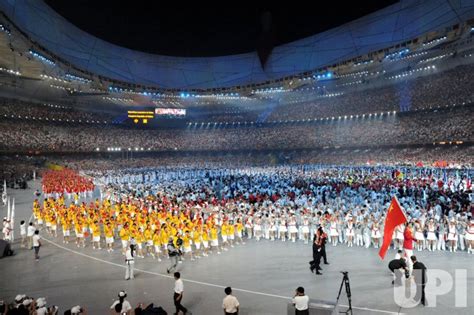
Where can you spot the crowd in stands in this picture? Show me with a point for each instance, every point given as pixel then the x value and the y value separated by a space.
pixel 16 108
pixel 446 88
pixel 423 128
pixel 429 91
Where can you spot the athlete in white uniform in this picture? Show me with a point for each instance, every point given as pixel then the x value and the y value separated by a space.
pixel 470 237
pixel 350 233
pixel 431 237
pixel 452 236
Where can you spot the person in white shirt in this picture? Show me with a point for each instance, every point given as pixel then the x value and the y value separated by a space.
pixel 300 301
pixel 36 244
pixel 41 308
pixel 23 233
pixel 230 304
pixel 178 294
pixel 121 305
pixel 6 229
pixel 29 234
pixel 129 262
pixel 398 255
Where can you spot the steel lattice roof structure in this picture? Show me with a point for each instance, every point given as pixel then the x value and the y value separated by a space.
pixel 390 26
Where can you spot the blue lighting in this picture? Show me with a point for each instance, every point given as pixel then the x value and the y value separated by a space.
pixel 42 58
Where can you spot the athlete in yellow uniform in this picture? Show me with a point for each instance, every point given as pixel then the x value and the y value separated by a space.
pixel 197 240
pixel 157 244
pixel 231 233
pixel 148 235
pixel 187 245
pixel 224 234
pixel 95 235
pixel 109 236
pixel 125 237
pixel 214 238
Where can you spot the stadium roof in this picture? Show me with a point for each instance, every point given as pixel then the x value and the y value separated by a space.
pixel 390 26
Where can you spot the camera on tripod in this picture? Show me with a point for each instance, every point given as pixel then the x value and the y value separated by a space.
pixel 345 282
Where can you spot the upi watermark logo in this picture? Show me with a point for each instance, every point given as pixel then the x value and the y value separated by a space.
pixel 425 288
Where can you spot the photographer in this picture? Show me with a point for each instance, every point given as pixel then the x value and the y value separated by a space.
pixel 179 245
pixel 173 253
pixel 301 301
pixel 395 267
pixel 121 305
pixel 76 310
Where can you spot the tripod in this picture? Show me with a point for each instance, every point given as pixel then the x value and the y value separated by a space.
pixel 345 281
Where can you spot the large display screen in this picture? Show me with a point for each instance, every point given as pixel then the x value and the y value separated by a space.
pixel 170 112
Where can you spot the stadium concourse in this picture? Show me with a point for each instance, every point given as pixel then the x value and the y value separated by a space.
pixel 118 167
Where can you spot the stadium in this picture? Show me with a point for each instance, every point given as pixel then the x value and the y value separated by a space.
pixel 140 157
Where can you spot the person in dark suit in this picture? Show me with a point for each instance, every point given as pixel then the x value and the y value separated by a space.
pixel 324 238
pixel 419 273
pixel 396 266
pixel 315 263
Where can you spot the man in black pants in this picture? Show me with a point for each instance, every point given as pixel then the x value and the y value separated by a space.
pixel 395 266
pixel 324 238
pixel 314 264
pixel 178 294
pixel 419 273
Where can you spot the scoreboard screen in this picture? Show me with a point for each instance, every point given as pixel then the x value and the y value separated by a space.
pixel 170 112
pixel 142 115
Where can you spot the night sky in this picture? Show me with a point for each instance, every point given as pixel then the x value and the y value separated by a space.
pixel 192 31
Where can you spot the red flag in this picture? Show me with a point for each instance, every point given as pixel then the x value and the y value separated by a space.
pixel 395 217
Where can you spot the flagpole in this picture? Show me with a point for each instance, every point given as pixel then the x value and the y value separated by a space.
pixel 12 221
pixel 8 208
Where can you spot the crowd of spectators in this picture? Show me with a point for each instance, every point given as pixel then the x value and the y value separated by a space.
pixel 433 90
pixel 440 89
pixel 417 128
pixel 11 108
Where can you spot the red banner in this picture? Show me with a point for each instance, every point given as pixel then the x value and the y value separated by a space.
pixel 395 217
